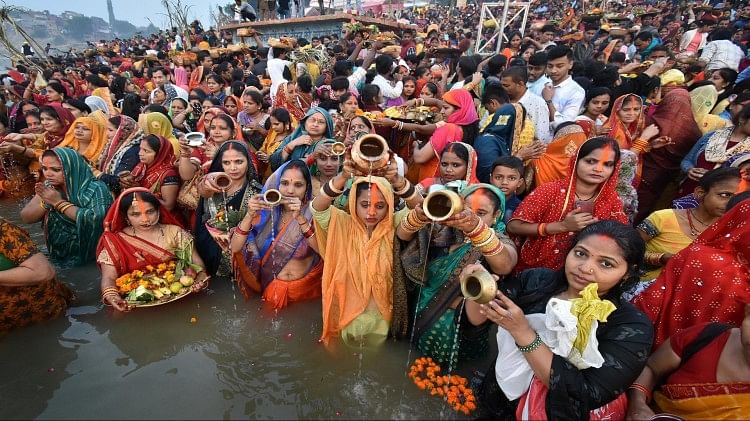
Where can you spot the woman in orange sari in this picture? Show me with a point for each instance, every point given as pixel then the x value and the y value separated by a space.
pixel 458 162
pixel 554 162
pixel 273 248
pixel 138 232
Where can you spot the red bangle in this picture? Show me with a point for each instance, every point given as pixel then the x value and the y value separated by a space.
pixel 287 150
pixel 240 231
pixel 309 232
pixel 641 388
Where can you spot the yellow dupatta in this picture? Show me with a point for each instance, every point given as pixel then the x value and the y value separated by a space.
pixel 358 270
pixel 98 137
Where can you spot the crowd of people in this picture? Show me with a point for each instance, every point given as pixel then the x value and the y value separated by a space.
pixel 600 161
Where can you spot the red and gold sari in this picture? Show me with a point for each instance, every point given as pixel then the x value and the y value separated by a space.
pixel 705 282
pixel 551 202
pixel 128 253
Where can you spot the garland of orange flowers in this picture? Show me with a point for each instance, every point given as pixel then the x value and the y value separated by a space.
pixel 452 388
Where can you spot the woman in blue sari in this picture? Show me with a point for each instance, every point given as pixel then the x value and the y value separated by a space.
pixel 72 204
pixel 273 247
pixel 438 304
pixel 317 125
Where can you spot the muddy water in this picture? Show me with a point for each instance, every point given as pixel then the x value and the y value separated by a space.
pixel 211 355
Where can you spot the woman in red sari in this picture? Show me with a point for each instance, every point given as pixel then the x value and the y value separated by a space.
pixel 553 212
pixel 156 171
pixel 138 232
pixel 703 282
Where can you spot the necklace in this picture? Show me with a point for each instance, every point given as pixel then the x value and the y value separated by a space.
pixel 694 231
pixel 587 199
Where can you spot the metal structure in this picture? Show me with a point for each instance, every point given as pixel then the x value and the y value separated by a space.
pixel 518 10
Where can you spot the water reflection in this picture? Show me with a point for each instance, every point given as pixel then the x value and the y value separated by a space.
pixel 237 360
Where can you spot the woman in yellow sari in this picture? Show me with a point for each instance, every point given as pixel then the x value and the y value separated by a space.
pixel 88 136
pixel 703 99
pixel 358 286
pixel 158 124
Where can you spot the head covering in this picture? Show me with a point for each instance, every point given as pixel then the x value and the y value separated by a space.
pixel 76 242
pixel 110 157
pixel 624 134
pixel 216 165
pixel 96 103
pixel 713 271
pixel 359 268
pixel 499 224
pixel 214 111
pixel 159 124
pixel 672 77
pixel 268 233
pixel 300 130
pixel 152 175
pixel 703 99
pixel 121 252
pixel 98 138
pixel 237 101
pixel 471 166
pixel 66 119
pixel 466 112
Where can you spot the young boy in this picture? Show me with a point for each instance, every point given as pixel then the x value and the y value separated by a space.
pixel 507 175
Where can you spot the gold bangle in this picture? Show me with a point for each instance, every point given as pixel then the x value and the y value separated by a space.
pixel 491 245
pixel 494 252
pixel 406 226
pixel 477 229
pixel 487 240
pixel 480 238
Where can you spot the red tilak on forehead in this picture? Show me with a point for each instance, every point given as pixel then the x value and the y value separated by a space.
pixel 608 154
pixel 373 194
pixel 141 207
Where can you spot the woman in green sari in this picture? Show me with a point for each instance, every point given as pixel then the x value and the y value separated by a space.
pixel 476 234
pixel 316 126
pixel 71 203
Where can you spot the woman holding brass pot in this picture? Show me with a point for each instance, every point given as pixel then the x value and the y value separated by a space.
pixel 224 191
pixel 539 379
pixel 475 234
pixel 273 247
pixel 361 302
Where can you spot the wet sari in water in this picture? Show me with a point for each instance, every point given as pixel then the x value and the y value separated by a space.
pixel 213 256
pixel 436 320
pixel 267 250
pixel 24 305
pixel 128 253
pixel 74 242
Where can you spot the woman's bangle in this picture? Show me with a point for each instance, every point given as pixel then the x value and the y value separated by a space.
pixel 477 229
pixel 541 229
pixel 497 250
pixel 240 231
pixel 404 190
pixel 643 389
pixel 532 346
pixel 309 232
pixel 653 258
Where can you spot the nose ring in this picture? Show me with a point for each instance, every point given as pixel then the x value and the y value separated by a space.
pixel 591 270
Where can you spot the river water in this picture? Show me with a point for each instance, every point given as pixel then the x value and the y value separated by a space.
pixel 210 355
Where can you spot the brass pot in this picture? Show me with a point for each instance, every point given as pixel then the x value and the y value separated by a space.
pixel 272 197
pixel 222 181
pixel 441 204
pixel 479 286
pixel 370 152
pixel 338 148
pixel 195 139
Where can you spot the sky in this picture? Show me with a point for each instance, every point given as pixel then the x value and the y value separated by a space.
pixel 133 11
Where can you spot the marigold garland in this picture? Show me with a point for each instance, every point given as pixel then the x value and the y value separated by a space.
pixel 132 280
pixel 452 388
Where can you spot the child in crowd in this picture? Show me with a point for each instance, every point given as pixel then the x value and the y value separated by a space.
pixel 507 175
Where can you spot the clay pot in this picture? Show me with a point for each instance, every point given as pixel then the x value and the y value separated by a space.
pixel 370 152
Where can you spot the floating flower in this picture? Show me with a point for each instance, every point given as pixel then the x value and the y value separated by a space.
pixel 452 388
